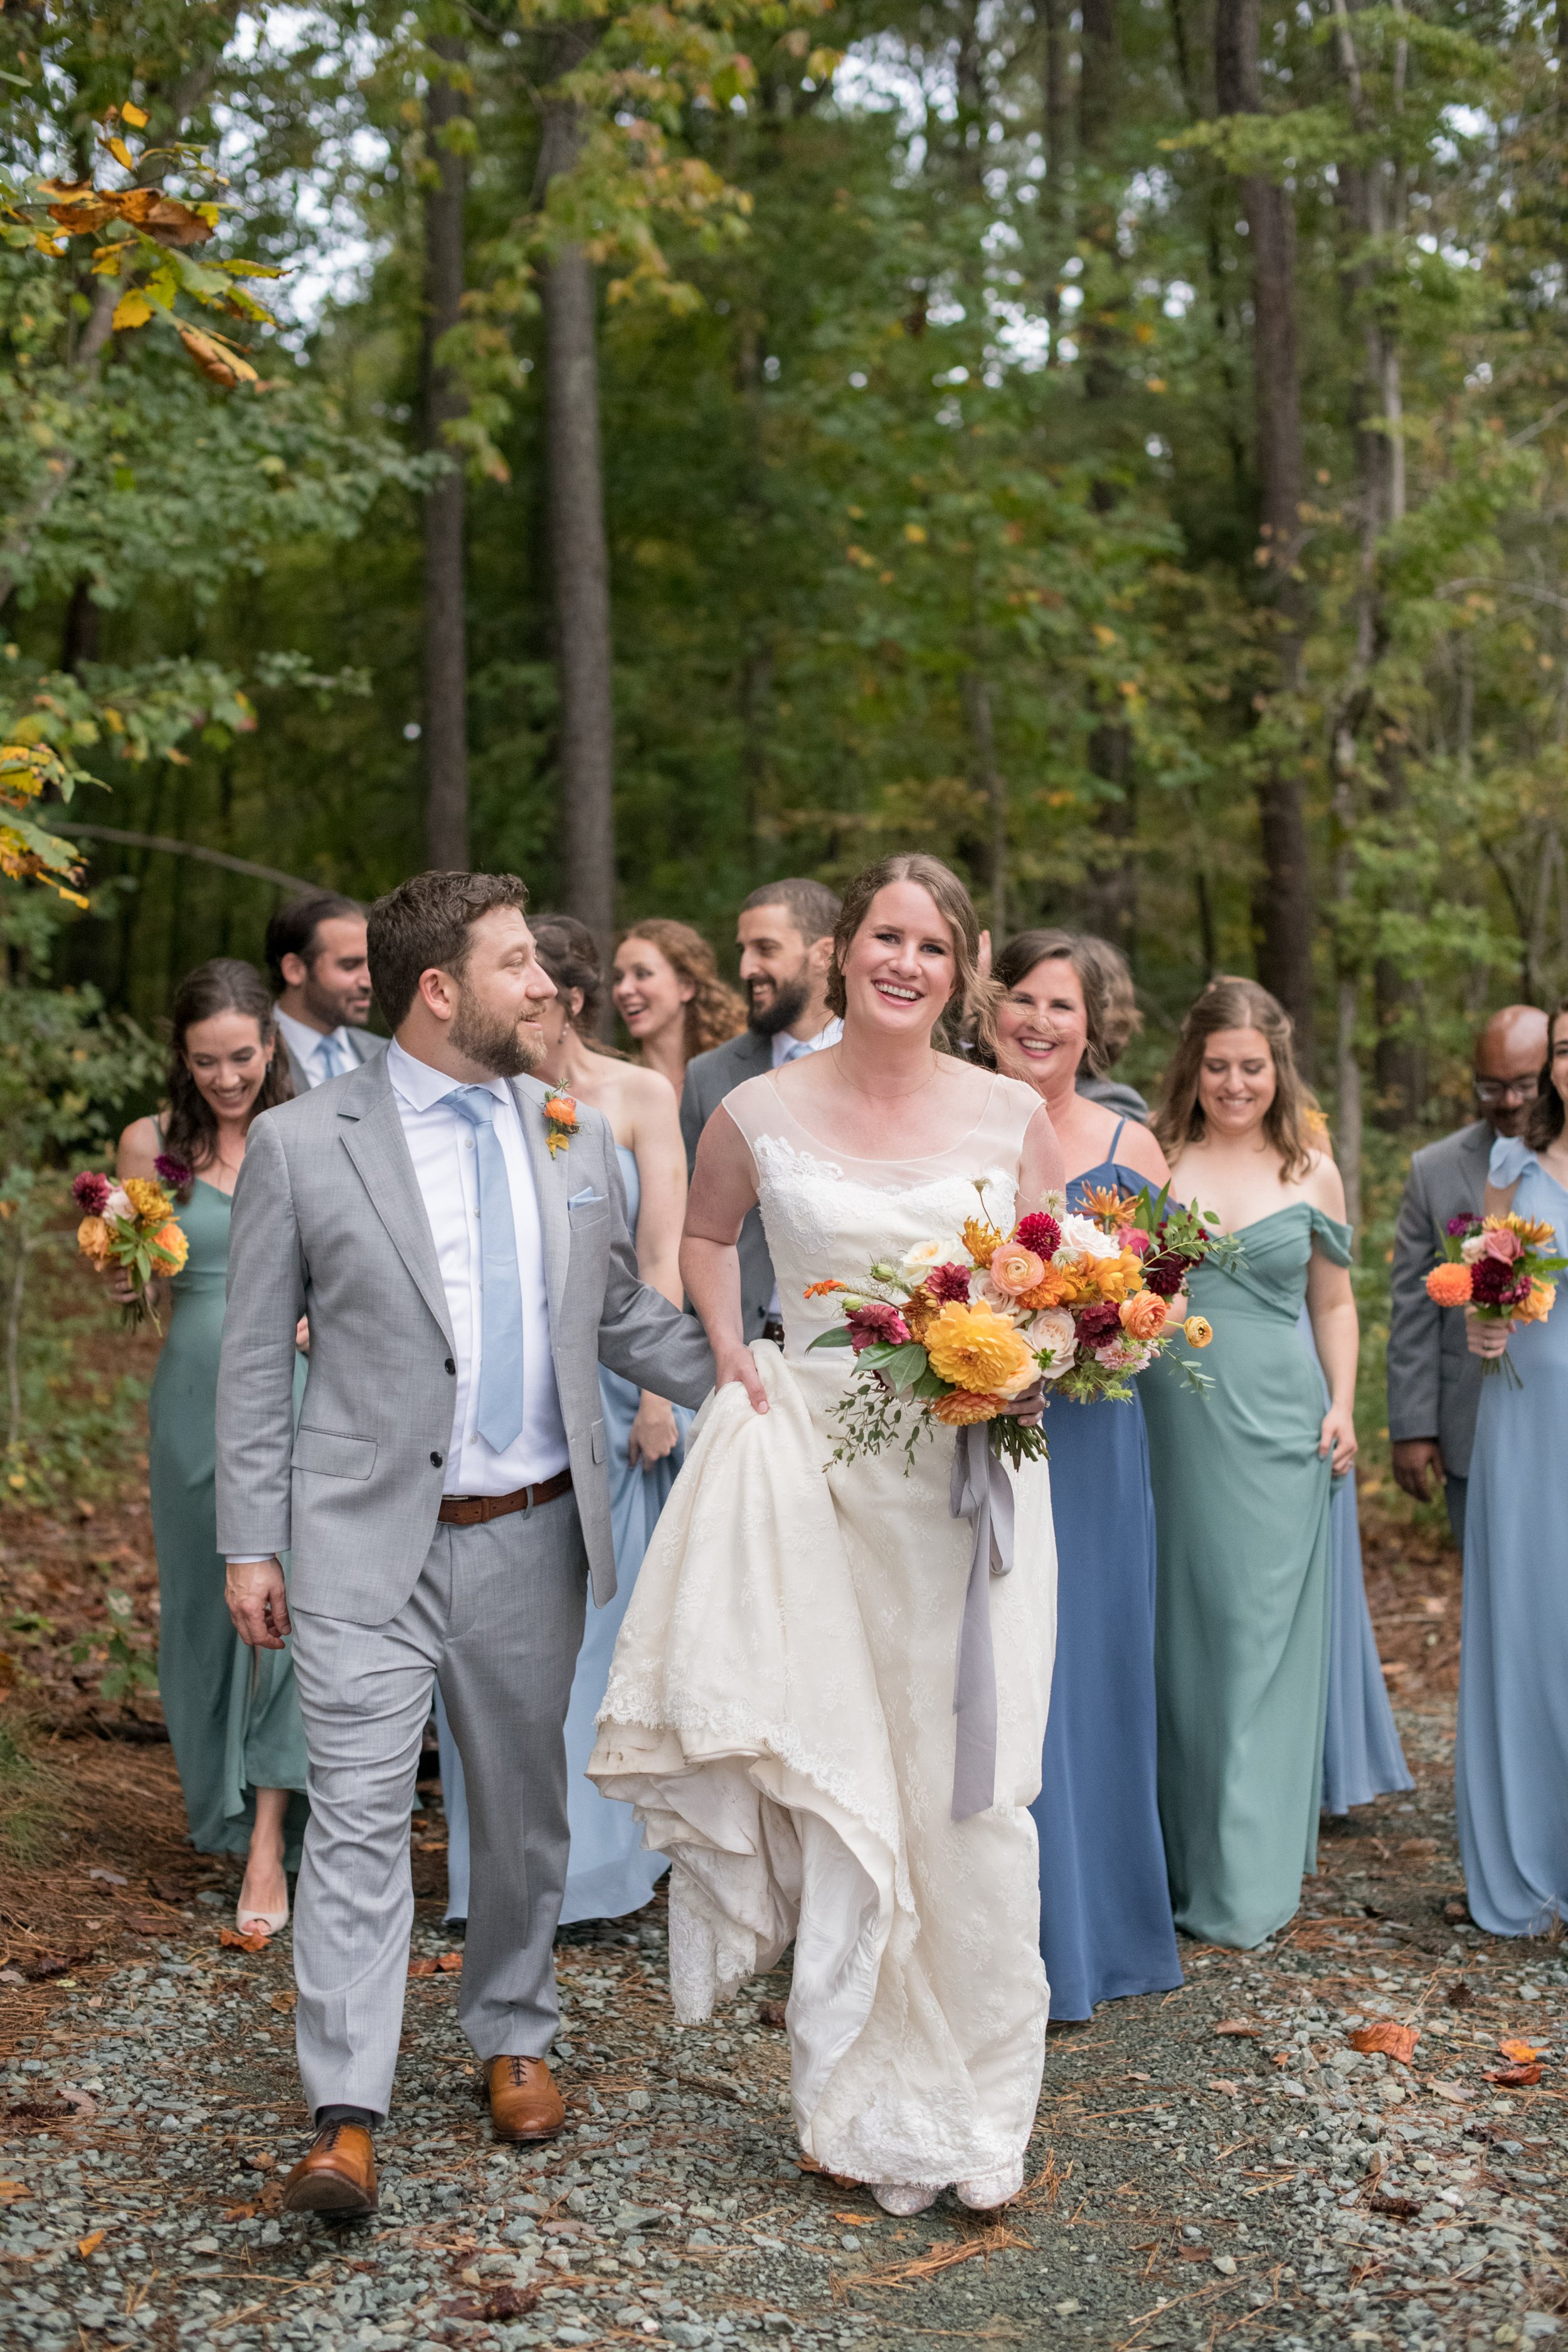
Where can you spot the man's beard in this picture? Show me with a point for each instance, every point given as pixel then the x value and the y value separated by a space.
pixel 494 1044
pixel 334 1010
pixel 789 1001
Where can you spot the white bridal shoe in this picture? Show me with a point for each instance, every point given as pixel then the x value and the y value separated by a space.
pixel 992 2189
pixel 904 2197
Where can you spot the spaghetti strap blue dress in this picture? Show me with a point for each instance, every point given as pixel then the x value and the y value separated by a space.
pixel 1105 1908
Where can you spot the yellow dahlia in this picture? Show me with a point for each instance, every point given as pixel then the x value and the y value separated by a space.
pixel 149 1199
pixel 974 1347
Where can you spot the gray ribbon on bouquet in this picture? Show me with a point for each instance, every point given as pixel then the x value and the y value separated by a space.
pixel 982 1493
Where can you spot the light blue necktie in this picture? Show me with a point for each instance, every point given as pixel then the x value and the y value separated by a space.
pixel 501 1342
pixel 332 1058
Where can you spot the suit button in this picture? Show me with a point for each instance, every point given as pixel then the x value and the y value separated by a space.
pixel 451 1367
pixel 435 1460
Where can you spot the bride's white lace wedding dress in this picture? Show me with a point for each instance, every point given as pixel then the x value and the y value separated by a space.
pixel 779 1708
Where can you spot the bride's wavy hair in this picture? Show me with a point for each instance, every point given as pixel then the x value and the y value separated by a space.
pixel 970 1010
pixel 1228 1003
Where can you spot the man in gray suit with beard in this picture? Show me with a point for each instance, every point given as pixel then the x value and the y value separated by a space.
pixel 1434 1381
pixel 457 1238
pixel 784 934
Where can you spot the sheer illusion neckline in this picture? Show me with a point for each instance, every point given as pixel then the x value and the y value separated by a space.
pixel 893 1160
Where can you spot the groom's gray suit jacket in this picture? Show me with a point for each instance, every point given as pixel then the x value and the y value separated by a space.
pixel 329 1222
pixel 1434 1381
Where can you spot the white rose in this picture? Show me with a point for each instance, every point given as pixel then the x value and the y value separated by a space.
pixel 924 1254
pixel 1052 1335
pixel 1081 1237
pixel 119 1204
pixel 1473 1247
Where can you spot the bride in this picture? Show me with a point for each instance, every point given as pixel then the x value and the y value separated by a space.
pixel 781 1709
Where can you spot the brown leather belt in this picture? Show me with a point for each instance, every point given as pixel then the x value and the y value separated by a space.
pixel 478 1510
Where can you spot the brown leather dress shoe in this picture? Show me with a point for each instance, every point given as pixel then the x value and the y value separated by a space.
pixel 335 2175
pixel 525 2101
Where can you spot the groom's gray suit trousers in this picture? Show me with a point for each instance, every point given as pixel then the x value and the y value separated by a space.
pixel 497 1618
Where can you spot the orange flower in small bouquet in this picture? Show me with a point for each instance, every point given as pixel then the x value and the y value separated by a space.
pixel 1502 1266
pixel 1075 1301
pixel 560 1123
pixel 133 1225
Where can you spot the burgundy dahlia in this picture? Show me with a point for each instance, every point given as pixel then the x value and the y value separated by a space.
pixel 1465 1222
pixel 1495 1282
pixel 948 1284
pixel 174 1172
pixel 874 1322
pixel 1165 1273
pixel 1040 1234
pixel 91 1192
pixel 1097 1324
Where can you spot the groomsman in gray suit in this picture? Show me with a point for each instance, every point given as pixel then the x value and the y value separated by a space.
pixel 1434 1381
pixel 784 934
pixel 463 1257
pixel 316 954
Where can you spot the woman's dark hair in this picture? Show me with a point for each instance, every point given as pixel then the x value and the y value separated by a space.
pixel 1229 1002
pixel 567 948
pixel 225 985
pixel 1018 959
pixel 1543 1122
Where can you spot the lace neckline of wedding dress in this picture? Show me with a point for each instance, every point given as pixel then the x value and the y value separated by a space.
pixel 898 1159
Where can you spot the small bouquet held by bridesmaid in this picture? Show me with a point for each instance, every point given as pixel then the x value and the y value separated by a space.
pixel 1077 1301
pixel 133 1225
pixel 1502 1266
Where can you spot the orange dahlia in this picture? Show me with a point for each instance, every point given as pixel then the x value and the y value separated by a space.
pixel 1539 1304
pixel 171 1240
pixel 965 1405
pixel 974 1347
pixel 1449 1284
pixel 982 1240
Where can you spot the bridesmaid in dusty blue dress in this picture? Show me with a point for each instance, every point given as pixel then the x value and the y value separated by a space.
pixel 609 1872
pixel 1510 1764
pixel 1105 1912
pixel 1361 1755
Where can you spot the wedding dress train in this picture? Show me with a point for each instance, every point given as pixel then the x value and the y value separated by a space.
pixel 779 1708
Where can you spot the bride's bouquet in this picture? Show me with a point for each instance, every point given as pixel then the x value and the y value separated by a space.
pixel 1502 1266
pixel 134 1226
pixel 1079 1301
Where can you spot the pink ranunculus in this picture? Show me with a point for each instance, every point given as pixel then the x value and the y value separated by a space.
pixel 1504 1243
pixel 1133 1237
pixel 1014 1270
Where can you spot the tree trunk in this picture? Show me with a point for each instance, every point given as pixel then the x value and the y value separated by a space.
pixel 446 619
pixel 1283 909
pixel 989 783
pixel 580 568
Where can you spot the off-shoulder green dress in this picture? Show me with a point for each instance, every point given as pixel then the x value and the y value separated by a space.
pixel 233 1714
pixel 1241 1634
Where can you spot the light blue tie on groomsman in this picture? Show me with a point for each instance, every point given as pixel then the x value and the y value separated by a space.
pixel 500 1295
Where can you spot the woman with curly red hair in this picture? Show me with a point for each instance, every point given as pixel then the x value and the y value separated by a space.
pixel 668 993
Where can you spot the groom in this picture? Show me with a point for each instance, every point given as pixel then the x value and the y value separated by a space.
pixel 464 1261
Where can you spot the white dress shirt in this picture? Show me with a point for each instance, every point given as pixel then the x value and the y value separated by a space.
pixel 441 1145
pixel 790 1049
pixel 320 1054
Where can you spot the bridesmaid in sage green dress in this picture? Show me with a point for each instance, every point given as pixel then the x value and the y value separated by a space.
pixel 232 1712
pixel 1242 1477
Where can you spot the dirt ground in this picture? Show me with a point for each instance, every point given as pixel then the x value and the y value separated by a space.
pixel 1211 2164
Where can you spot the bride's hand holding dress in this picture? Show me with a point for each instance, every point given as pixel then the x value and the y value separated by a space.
pixel 781 1707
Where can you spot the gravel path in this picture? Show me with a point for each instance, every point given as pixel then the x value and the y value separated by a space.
pixel 1215 2164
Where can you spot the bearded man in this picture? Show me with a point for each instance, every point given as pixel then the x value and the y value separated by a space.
pixel 457 1238
pixel 784 936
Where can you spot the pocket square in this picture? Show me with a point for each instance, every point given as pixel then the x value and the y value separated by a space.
pixel 586 1199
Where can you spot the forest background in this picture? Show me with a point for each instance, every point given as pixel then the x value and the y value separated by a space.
pixel 1120 448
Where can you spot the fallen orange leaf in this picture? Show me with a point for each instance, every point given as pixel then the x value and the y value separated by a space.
pixel 1523 2053
pixel 14 2188
pixel 1515 2078
pixel 233 1941
pixel 450 1964
pixel 421 1967
pixel 1397 2041
pixel 1243 2031
pixel 86 2246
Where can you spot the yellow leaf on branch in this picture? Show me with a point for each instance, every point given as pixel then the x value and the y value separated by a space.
pixel 133 310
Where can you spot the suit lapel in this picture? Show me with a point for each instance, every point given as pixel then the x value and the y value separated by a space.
pixel 372 1133
pixel 550 1186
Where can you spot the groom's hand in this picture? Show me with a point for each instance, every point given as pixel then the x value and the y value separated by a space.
pixel 257 1602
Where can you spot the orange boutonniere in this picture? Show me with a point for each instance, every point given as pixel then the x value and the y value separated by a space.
pixel 560 1122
